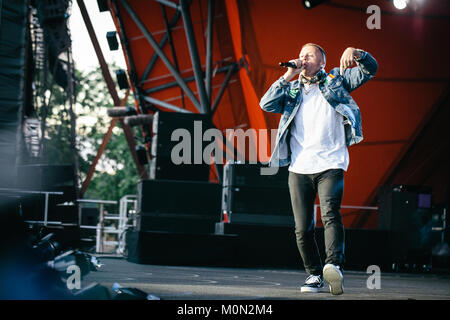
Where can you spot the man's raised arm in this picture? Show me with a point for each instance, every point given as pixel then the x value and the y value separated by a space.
pixel 274 99
pixel 365 70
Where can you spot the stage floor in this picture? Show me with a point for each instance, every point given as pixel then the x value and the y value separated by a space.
pixel 212 283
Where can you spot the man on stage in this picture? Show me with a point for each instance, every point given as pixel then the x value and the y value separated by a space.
pixel 319 120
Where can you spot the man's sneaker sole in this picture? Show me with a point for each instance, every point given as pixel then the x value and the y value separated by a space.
pixel 334 278
pixel 311 290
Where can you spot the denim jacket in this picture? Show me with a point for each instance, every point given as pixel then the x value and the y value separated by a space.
pixel 286 98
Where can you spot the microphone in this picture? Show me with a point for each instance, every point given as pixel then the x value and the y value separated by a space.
pixel 288 65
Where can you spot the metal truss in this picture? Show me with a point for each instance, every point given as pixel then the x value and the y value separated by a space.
pixel 202 78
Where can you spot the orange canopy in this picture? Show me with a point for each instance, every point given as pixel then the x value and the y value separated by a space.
pixel 399 107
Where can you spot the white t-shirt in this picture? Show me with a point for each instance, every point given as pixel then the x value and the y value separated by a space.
pixel 317 136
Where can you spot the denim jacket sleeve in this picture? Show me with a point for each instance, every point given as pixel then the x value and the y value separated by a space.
pixel 274 99
pixel 365 70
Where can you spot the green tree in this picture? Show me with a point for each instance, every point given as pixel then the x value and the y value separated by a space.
pixel 116 173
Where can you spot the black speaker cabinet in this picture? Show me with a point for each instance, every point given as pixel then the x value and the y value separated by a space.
pixel 45 177
pixel 102 5
pixel 249 175
pixel 168 196
pixel 141 153
pixel 405 211
pixel 189 145
pixel 166 125
pixel 122 79
pixel 251 198
pixel 111 37
pixel 178 206
pixel 256 200
pixel 162 168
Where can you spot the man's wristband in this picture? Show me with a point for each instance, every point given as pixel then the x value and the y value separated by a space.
pixel 361 55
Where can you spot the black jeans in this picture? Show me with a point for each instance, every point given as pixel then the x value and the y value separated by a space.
pixel 329 185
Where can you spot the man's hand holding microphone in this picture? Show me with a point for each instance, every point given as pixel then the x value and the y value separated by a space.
pixel 294 67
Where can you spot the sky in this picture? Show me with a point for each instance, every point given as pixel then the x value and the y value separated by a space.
pixel 86 59
pixel 82 49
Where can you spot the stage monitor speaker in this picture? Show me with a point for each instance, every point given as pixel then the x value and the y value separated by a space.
pixel 405 211
pixel 397 205
pixel 251 198
pixel 257 205
pixel 256 200
pixel 169 197
pixel 249 175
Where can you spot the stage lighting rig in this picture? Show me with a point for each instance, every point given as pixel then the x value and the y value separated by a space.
pixel 309 4
pixel 400 4
pixel 414 5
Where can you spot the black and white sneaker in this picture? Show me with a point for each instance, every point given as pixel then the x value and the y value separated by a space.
pixel 312 284
pixel 333 276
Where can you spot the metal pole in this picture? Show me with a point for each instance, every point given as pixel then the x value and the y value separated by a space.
pixel 187 80
pixel 168 3
pixel 196 65
pixel 444 225
pixel 167 85
pixel 161 44
pixel 46 209
pixel 209 44
pixel 129 57
pixel 162 55
pixel 165 105
pixel 101 149
pixel 101 226
pixel 222 89
pixel 104 67
pixel 98 238
pixel 80 214
pixel 111 87
pixel 146 132
pixel 172 47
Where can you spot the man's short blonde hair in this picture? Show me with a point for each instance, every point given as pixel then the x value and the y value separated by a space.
pixel 318 47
